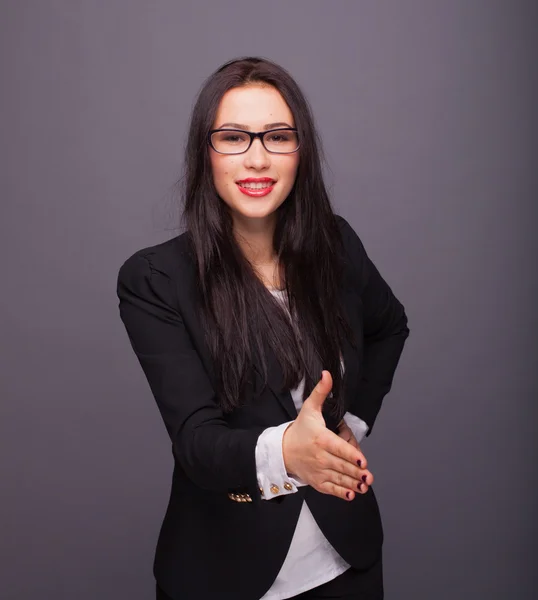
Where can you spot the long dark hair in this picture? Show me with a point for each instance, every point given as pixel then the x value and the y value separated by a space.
pixel 238 311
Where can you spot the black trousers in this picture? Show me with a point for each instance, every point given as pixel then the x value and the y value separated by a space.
pixel 353 584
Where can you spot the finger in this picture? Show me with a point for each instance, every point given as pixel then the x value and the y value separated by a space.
pixel 345 434
pixel 340 480
pixel 345 481
pixel 364 462
pixel 336 490
pixel 329 462
pixel 363 488
pixel 353 442
pixel 319 393
pixel 346 469
pixel 348 437
pixel 335 445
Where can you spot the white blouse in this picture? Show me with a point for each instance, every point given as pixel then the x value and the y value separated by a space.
pixel 311 560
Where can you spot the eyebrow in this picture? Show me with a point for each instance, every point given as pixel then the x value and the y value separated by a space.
pixel 247 128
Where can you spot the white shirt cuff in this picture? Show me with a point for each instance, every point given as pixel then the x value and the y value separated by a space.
pixel 270 468
pixel 357 426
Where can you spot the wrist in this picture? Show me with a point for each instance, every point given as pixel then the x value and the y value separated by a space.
pixel 286 453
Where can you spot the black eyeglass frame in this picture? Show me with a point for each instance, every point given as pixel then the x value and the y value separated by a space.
pixel 253 135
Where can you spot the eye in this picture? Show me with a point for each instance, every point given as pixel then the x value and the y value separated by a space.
pixel 232 138
pixel 278 138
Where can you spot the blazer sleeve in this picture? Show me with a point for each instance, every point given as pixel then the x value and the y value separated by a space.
pixel 385 329
pixel 214 456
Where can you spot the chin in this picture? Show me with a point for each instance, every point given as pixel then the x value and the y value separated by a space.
pixel 254 209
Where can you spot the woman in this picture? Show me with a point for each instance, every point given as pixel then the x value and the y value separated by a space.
pixel 269 340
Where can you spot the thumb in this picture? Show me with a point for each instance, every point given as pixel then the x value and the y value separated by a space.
pixel 319 393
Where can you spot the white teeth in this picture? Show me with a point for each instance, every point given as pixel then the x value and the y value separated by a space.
pixel 250 185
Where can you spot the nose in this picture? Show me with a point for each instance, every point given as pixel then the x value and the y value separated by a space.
pixel 257 156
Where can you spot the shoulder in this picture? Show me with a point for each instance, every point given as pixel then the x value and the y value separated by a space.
pixel 349 236
pixel 156 265
pixel 165 257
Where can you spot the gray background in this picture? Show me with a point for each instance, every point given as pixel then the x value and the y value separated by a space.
pixel 427 110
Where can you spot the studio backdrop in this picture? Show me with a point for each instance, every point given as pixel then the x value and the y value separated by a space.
pixel 427 113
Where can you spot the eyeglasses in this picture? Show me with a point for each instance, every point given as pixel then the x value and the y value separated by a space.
pixel 238 141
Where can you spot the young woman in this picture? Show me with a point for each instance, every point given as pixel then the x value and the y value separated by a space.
pixel 269 340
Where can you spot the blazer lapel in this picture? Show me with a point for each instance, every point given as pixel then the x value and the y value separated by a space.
pixel 275 379
pixel 351 304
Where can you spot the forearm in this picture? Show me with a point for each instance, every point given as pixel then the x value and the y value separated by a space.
pixel 384 326
pixel 380 360
pixel 219 459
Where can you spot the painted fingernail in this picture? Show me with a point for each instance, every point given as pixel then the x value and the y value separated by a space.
pixel 348 495
pixel 364 478
pixel 359 486
pixel 359 462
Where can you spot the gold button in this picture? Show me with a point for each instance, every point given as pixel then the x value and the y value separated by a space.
pixel 261 491
pixel 288 486
pixel 274 489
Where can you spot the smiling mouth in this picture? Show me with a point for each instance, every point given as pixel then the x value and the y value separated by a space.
pixel 255 185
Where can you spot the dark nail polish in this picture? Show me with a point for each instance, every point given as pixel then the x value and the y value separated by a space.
pixel 359 462
pixel 364 478
pixel 348 495
pixel 359 486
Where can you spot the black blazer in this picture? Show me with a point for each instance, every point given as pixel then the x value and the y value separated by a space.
pixel 219 538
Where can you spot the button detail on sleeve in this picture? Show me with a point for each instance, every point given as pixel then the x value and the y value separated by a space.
pixel 239 497
pixel 288 486
pixel 274 489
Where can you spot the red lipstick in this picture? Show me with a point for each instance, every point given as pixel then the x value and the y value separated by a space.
pixel 255 180
pixel 254 191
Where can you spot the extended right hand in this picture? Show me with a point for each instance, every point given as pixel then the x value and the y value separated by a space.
pixel 318 456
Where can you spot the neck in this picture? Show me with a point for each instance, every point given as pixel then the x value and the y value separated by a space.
pixel 255 238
